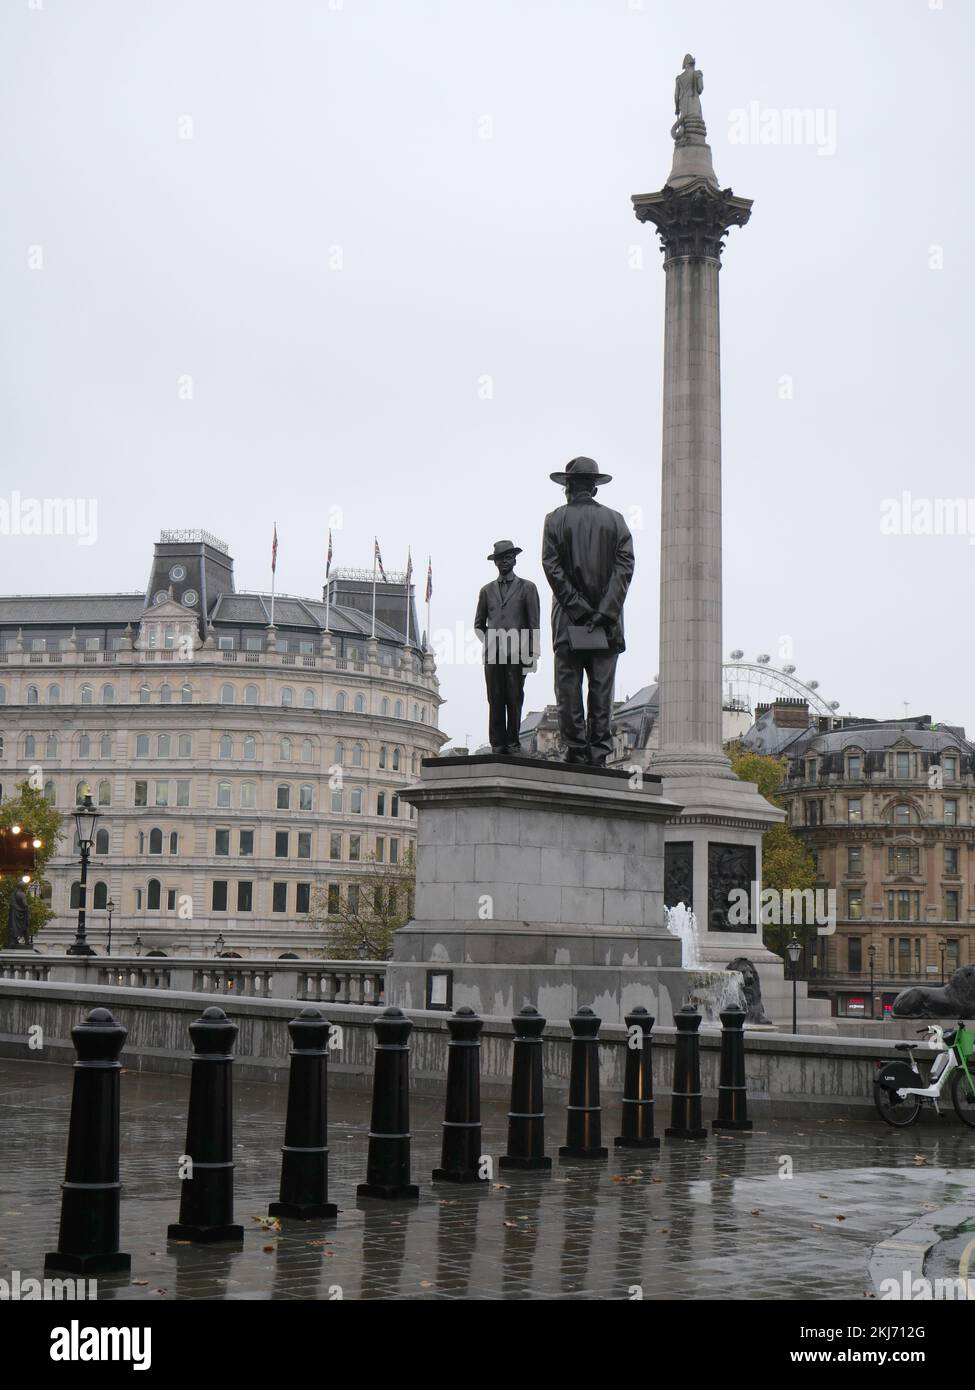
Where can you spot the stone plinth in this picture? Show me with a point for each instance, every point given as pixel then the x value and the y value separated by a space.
pixel 537 883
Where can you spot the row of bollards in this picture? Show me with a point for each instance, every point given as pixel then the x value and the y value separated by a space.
pixel 88 1239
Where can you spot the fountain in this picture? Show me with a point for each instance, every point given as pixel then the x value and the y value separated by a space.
pixel 709 990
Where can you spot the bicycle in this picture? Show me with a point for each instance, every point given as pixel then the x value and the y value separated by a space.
pixel 897 1088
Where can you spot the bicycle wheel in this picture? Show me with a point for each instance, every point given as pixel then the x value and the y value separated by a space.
pixel 896 1111
pixel 963 1098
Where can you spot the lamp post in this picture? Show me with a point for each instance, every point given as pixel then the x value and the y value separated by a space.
pixel 942 944
pixel 85 817
pixel 109 908
pixel 137 944
pixel 872 956
pixel 219 944
pixel 794 950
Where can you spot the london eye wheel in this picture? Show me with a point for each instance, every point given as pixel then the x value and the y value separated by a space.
pixel 746 684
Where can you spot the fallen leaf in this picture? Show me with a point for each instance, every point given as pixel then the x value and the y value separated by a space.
pixel 755 1211
pixel 841 1218
pixel 268 1249
pixel 426 1284
pixel 140 1282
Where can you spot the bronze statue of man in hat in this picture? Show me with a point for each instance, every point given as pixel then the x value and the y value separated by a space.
pixel 587 556
pixel 507 621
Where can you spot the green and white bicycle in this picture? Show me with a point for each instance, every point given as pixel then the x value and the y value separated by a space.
pixel 898 1089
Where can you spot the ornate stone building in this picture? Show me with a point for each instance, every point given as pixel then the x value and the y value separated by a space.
pixel 237 766
pixel 887 807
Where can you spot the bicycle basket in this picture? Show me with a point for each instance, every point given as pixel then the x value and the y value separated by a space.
pixel 965 1042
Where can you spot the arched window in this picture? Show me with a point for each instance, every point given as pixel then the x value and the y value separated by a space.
pixel 32 696
pixel 84 746
pixel 101 841
pixel 416 712
pixel 248 796
pixel 284 797
pixel 287 695
pixel 74 900
pixel 186 694
pixel 285 750
pixel 307 750
pixel 105 793
pixel 396 760
pixel 250 747
pixel 360 704
pixel 308 699
pixel 225 748
pixel 357 755
pixel 3 694
pixel 105 745
pixel 382 755
pixel 384 707
pixel 223 793
pixel 162 746
pixel 227 695
pixel 155 841
pixel 423 714
pixel 30 746
pixel 81 789
pixel 53 694
pixel 49 792
pixel 153 895
pixel 340 700
pixel 305 796
pixel 185 745
pixel 108 694
pixel 250 694
pixel 413 762
pixel 51 746
pixel 340 754
pixel 100 898
pixel 165 693
pixel 87 695
pixel 174 842
pixel 398 709
pixel 143 694
pixel 142 745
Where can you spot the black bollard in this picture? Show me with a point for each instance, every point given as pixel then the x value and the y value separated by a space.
pixel 90 1194
pixel 583 1132
pixel 206 1204
pixel 388 1166
pixel 732 1097
pixel 304 1159
pixel 637 1115
pixel 685 1110
pixel 460 1153
pixel 526 1118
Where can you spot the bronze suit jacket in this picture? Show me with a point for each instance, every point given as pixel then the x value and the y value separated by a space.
pixel 519 613
pixel 587 556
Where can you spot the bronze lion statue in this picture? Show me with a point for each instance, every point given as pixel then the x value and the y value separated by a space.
pixel 956 999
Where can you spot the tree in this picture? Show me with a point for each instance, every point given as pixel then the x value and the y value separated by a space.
pixel 367 912
pixel 31 809
pixel 786 863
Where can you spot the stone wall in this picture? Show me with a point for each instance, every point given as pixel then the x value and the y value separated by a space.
pixel 821 1076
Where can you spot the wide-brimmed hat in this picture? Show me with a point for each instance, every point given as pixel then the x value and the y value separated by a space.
pixel 502 548
pixel 582 468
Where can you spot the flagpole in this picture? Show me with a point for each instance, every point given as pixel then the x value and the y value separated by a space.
pixel 429 591
pixel 409 575
pixel 274 565
pixel 375 557
pixel 328 586
pixel 328 581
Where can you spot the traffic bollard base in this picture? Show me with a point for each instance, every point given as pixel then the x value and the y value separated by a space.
pixel 383 1193
pixel 315 1211
pixel 685 1133
pixel 622 1143
pixel 743 1126
pixel 456 1175
pixel 566 1151
pixel 207 1235
pixel 526 1165
pixel 112 1263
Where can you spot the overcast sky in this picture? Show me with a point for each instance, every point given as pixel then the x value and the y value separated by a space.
pixel 266 258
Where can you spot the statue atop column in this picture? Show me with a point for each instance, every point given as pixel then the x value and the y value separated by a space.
pixel 587 556
pixel 507 622
pixel 689 128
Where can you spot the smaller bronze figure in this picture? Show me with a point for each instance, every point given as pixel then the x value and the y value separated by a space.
pixel 18 921
pixel 507 622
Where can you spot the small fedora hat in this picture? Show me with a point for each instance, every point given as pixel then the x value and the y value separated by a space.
pixel 502 548
pixel 582 468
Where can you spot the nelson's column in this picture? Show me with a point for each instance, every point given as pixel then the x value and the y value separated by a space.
pixel 714 846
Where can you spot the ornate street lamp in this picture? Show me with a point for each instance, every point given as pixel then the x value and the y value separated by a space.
pixel 942 944
pixel 872 956
pixel 219 944
pixel 109 908
pixel 85 818
pixel 794 950
pixel 137 944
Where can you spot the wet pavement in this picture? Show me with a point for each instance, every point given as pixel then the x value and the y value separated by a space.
pixel 791 1211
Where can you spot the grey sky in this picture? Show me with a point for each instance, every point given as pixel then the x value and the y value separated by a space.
pixel 473 164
